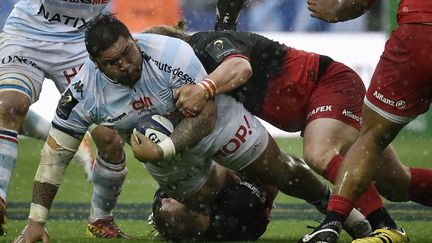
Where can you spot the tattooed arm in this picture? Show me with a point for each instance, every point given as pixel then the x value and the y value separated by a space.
pixel 52 166
pixel 192 129
pixel 187 133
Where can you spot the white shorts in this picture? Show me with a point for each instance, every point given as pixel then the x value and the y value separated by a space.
pixel 237 140
pixel 38 60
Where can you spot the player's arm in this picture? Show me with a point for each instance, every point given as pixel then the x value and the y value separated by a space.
pixel 192 129
pixel 56 154
pixel 187 133
pixel 338 10
pixel 232 73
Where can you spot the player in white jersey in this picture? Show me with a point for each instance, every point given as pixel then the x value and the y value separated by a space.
pixel 241 143
pixel 129 78
pixel 238 142
pixel 41 39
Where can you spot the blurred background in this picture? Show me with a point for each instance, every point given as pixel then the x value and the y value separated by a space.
pixel 357 43
pixel 257 16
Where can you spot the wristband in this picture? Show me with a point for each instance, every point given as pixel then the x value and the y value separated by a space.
pixel 167 147
pixel 38 213
pixel 209 87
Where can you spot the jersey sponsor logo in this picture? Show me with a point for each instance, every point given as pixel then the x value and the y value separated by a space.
pixel 69 74
pixel 75 22
pixel 176 72
pixel 400 104
pixel 18 59
pixel 118 118
pixel 78 87
pixel 324 108
pixel 142 103
pixel 351 115
pixel 257 192
pixel 220 48
pixel 234 144
pixel 218 45
pixel 66 104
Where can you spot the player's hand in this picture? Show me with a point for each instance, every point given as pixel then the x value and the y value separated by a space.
pixel 33 232
pixel 191 99
pixel 324 9
pixel 144 149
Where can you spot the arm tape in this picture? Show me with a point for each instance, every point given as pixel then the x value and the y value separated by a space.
pixel 64 140
pixel 38 213
pixel 167 147
pixel 209 87
pixel 54 162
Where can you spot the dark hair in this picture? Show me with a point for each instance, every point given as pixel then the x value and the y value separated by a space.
pixel 176 31
pixel 102 32
pixel 170 227
pixel 239 213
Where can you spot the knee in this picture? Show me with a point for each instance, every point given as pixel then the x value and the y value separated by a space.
pixel 299 167
pixel 13 109
pixel 111 147
pixel 318 159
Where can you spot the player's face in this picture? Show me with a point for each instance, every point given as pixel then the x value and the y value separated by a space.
pixel 174 207
pixel 122 61
pixel 178 210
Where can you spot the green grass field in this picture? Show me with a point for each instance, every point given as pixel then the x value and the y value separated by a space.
pixel 289 219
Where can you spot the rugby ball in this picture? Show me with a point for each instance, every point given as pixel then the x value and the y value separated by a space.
pixel 155 127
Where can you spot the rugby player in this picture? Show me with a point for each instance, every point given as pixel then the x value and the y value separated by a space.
pixel 399 91
pixel 293 90
pixel 131 77
pixel 41 39
pixel 240 212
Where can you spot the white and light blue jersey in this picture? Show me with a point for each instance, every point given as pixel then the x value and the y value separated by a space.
pixel 92 97
pixel 53 20
pixel 237 140
pixel 238 137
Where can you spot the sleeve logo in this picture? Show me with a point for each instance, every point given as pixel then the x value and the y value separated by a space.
pixel 220 49
pixel 66 104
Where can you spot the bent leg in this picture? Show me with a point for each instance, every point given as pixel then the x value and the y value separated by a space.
pixel 325 138
pixel 392 177
pixel 13 108
pixel 108 176
pixel 109 172
pixel 361 161
pixel 289 174
pixel 400 183
pixel 325 142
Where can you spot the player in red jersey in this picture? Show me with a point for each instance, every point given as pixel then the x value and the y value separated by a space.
pixel 293 90
pixel 240 212
pixel 400 90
